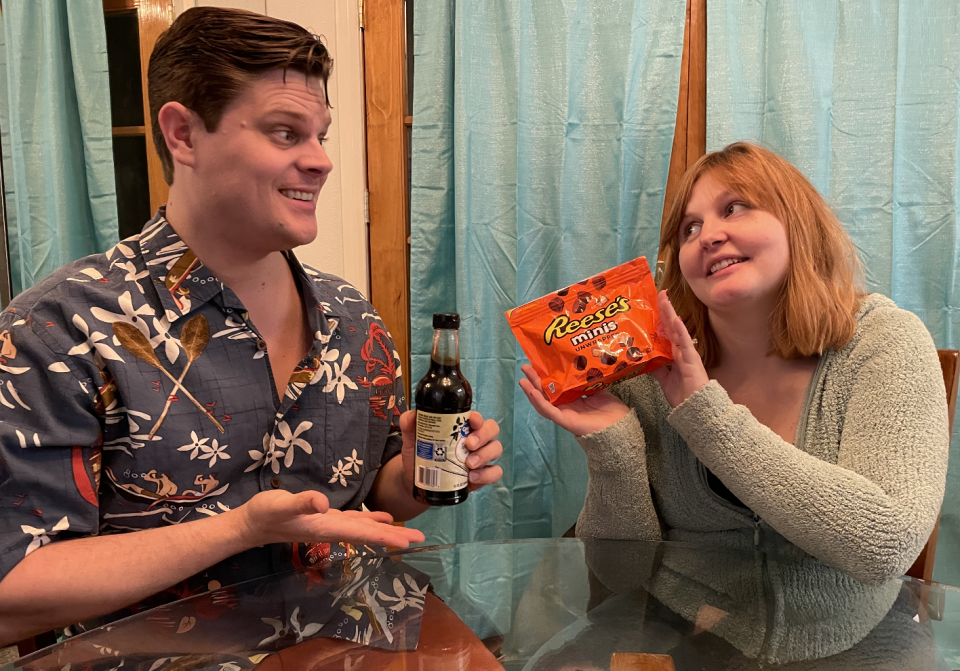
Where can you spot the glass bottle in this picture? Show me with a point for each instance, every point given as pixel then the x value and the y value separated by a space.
pixel 443 420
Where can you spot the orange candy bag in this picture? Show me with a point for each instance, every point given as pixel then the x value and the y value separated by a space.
pixel 594 333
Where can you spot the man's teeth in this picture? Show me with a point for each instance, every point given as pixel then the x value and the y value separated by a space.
pixel 723 264
pixel 297 195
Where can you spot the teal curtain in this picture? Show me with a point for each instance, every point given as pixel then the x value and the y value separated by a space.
pixel 56 135
pixel 540 148
pixel 862 96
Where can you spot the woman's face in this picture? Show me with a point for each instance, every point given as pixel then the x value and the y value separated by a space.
pixel 732 255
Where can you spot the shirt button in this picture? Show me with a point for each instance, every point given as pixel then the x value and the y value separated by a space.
pixel 261 344
pixel 275 483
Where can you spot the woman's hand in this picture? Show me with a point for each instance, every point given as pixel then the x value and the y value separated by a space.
pixel 580 417
pixel 687 374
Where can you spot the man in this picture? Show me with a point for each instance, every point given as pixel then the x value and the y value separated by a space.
pixel 194 407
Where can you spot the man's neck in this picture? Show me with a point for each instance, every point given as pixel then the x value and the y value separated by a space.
pixel 250 274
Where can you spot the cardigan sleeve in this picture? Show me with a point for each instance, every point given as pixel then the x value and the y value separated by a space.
pixel 870 513
pixel 619 504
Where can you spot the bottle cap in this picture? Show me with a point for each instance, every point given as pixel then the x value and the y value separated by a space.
pixel 446 320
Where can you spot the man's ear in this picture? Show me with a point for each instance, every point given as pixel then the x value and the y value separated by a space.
pixel 180 127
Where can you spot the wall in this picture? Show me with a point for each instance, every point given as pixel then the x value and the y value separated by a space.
pixel 341 245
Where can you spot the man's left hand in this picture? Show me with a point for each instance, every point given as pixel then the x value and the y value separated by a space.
pixel 482 443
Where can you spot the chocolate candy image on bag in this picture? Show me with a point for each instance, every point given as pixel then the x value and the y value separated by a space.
pixel 601 336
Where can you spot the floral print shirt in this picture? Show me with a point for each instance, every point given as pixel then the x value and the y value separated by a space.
pixel 136 392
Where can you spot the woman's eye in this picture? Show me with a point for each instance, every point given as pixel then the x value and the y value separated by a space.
pixel 733 208
pixel 689 230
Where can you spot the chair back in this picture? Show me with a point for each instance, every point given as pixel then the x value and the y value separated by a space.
pixel 949 359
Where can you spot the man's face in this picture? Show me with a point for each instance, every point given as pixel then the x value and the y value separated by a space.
pixel 259 174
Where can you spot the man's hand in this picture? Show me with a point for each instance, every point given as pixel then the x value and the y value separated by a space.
pixel 480 442
pixel 282 517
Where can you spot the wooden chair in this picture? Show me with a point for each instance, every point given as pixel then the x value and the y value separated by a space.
pixel 923 567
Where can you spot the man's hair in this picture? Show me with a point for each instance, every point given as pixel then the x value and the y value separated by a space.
pixel 821 294
pixel 208 57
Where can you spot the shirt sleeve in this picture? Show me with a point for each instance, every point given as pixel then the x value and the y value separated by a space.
pixel 394 438
pixel 49 443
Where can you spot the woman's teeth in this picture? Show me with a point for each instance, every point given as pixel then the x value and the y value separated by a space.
pixel 716 267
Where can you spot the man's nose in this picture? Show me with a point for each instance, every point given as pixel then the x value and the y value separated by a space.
pixel 315 159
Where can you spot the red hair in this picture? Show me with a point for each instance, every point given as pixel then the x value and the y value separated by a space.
pixel 823 288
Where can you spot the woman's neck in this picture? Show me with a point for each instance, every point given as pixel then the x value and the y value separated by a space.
pixel 743 338
pixel 745 343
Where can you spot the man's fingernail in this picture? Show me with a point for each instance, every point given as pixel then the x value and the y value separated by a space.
pixel 473 462
pixel 474 476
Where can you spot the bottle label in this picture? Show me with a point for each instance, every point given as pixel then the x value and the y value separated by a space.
pixel 441 451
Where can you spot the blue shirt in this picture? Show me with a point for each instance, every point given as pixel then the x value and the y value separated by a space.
pixel 135 392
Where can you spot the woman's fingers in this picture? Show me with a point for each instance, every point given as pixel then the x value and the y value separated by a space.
pixel 532 376
pixel 676 330
pixel 533 388
pixel 540 403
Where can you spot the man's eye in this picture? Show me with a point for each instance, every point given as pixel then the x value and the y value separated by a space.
pixel 322 139
pixel 285 134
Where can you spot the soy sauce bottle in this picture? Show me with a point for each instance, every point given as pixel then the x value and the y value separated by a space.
pixel 443 420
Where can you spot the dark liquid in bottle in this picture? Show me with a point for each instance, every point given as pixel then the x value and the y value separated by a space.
pixel 443 400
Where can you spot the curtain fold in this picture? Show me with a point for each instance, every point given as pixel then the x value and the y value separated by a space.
pixel 541 144
pixel 862 96
pixel 56 135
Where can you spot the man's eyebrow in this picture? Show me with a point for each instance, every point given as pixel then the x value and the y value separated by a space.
pixel 286 113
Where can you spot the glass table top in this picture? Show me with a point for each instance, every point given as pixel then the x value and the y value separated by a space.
pixel 542 604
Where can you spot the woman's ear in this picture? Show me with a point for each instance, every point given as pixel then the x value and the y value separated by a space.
pixel 180 127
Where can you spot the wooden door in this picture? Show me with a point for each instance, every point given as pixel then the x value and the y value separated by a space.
pixel 384 25
pixel 133 27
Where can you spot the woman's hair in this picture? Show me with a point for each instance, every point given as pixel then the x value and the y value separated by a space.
pixel 821 294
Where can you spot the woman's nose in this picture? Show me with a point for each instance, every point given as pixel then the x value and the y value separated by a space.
pixel 712 232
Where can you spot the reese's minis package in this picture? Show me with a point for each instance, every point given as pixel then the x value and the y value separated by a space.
pixel 601 330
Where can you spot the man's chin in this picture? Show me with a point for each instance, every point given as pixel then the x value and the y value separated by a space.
pixel 295 234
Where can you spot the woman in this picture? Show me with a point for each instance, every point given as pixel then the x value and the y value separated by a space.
pixel 799 413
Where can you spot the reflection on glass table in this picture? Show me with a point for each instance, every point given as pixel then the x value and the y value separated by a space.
pixel 542 604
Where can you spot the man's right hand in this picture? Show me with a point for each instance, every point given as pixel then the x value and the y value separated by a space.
pixel 582 416
pixel 281 517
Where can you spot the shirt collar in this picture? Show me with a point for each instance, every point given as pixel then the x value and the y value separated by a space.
pixel 323 321
pixel 184 283
pixel 181 280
